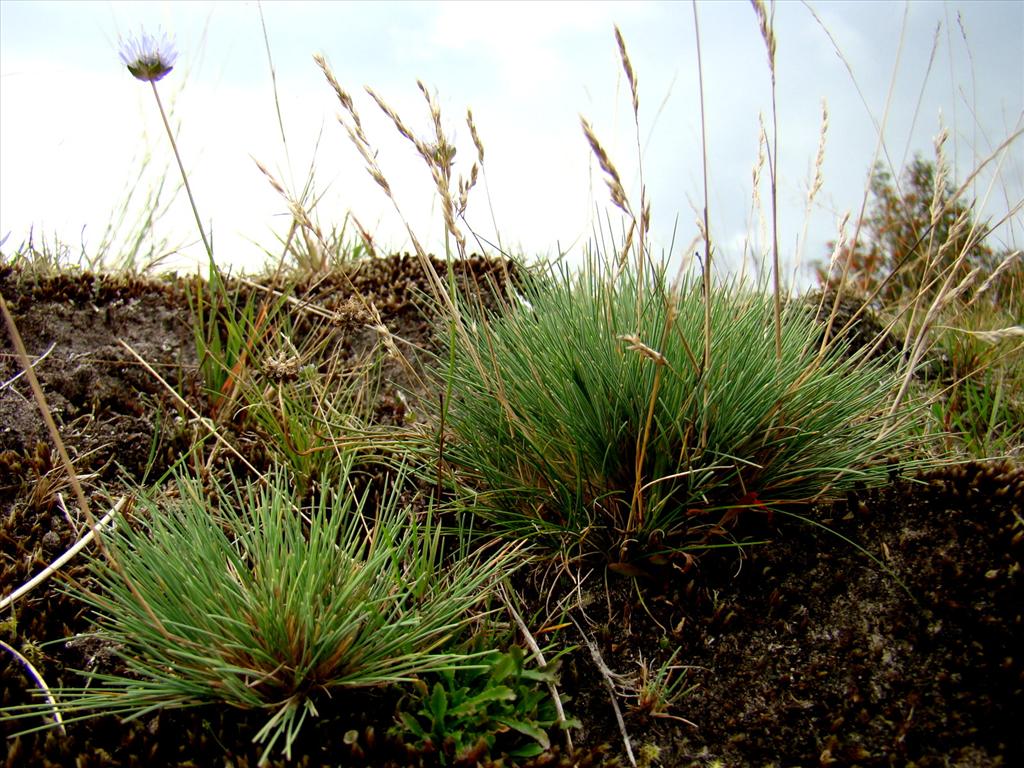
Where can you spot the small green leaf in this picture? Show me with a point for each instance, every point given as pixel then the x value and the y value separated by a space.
pixel 473 705
pixel 538 675
pixel 413 725
pixel 527 750
pixel 527 729
pixel 507 664
pixel 438 704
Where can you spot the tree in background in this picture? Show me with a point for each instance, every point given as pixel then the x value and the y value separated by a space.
pixel 912 236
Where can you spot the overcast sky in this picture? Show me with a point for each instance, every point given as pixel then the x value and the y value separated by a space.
pixel 74 124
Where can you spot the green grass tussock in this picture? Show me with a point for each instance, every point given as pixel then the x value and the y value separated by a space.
pixel 586 414
pixel 247 599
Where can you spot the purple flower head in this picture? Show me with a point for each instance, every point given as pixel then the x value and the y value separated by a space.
pixel 148 58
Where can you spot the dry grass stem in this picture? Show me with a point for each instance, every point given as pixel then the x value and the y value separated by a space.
pixel 207 423
pixel 538 654
pixel 40 683
pixel 34 363
pixel 609 678
pixel 73 478
pixel 947 294
pixel 44 409
pixel 59 563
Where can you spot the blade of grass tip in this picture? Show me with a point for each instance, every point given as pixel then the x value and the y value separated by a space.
pixel 273 82
pixel 69 467
pixel 707 227
pixel 994 415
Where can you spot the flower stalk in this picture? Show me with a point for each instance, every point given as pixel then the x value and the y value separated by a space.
pixel 150 59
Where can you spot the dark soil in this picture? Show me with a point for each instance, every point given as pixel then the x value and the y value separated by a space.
pixel 801 651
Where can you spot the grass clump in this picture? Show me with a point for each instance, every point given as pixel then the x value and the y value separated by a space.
pixel 275 372
pixel 586 415
pixel 262 605
pixel 978 377
pixel 225 328
pixel 952 302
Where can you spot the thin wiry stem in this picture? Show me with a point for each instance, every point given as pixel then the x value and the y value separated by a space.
pixel 608 676
pixel 184 176
pixel 539 655
pixel 57 564
pixel 40 682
